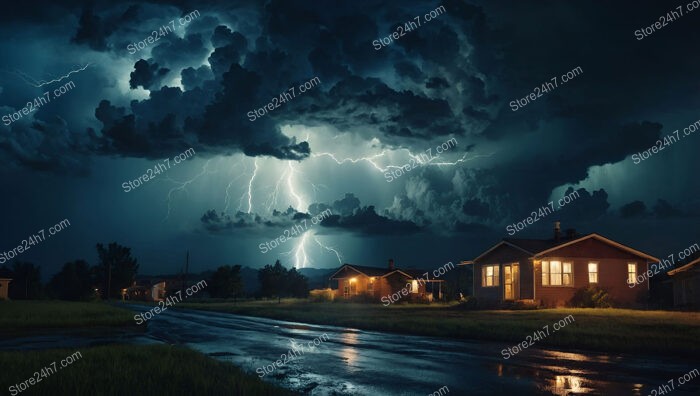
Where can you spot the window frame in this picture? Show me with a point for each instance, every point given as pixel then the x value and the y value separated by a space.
pixel 495 275
pixel 634 277
pixel 547 274
pixel 596 272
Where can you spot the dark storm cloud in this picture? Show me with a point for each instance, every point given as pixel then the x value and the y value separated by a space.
pixel 147 75
pixel 662 209
pixel 94 30
pixel 346 214
pixel 195 78
pixel 366 221
pixel 298 41
pixel 175 52
pixel 633 209
pixel 46 146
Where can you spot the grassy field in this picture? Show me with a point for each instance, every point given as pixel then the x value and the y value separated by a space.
pixel 605 330
pixel 42 314
pixel 130 370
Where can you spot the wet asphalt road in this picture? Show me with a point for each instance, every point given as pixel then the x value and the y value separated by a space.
pixel 356 362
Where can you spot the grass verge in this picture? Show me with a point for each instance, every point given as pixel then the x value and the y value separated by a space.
pixel 603 330
pixel 42 314
pixel 130 370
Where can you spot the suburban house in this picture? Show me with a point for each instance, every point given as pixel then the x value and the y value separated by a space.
pixel 686 285
pixel 4 287
pixel 145 290
pixel 549 271
pixel 375 283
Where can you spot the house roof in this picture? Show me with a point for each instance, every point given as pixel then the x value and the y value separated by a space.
pixel 539 247
pixel 364 270
pixel 377 271
pixel 684 268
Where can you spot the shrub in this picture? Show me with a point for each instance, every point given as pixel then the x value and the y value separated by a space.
pixel 591 297
pixel 321 295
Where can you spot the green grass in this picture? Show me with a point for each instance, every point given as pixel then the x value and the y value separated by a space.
pixel 604 330
pixel 42 314
pixel 131 370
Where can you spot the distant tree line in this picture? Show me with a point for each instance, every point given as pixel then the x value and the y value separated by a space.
pixel 275 282
pixel 76 280
pixel 117 269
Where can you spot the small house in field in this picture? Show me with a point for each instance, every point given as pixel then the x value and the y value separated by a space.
pixel 686 285
pixel 549 271
pixel 145 290
pixel 384 284
pixel 4 287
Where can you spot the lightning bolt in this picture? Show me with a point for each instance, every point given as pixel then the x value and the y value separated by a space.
pixel 182 186
pixel 250 186
pixel 337 255
pixel 290 183
pixel 300 254
pixel 40 83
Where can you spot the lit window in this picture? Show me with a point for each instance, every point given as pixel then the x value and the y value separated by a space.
pixel 370 285
pixel 489 275
pixel 545 273
pixel 631 272
pixel 556 273
pixel 567 276
pixel 414 286
pixel 592 272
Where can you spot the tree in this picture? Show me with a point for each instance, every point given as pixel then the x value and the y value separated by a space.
pixel 116 270
pixel 26 281
pixel 297 284
pixel 274 281
pixel 226 282
pixel 74 282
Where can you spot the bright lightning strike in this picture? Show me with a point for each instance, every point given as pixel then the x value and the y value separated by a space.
pixel 292 192
pixel 300 254
pixel 250 186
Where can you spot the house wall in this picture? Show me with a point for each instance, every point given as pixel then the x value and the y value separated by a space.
pixel 4 287
pixel 382 286
pixel 686 289
pixel 502 255
pixel 612 273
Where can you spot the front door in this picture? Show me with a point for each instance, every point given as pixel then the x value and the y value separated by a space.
pixel 511 282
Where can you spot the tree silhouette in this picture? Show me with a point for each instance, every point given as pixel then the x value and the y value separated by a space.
pixel 226 282
pixel 116 270
pixel 26 281
pixel 73 282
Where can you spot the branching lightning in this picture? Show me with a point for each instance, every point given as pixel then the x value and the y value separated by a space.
pixel 182 186
pixel 40 83
pixel 330 249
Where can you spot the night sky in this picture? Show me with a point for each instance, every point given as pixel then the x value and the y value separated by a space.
pixel 332 147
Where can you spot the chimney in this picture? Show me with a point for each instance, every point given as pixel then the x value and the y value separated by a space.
pixel 391 264
pixel 571 233
pixel 557 231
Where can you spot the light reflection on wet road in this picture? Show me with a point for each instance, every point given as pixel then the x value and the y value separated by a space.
pixel 355 362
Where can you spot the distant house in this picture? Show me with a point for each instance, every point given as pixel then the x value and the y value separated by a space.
pixel 549 271
pixel 686 285
pixel 145 290
pixel 4 286
pixel 375 283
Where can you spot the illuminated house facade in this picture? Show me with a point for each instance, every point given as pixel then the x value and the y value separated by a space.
pixel 374 283
pixel 549 271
